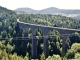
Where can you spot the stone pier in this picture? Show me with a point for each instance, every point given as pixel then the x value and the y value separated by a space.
pixel 64 38
pixel 46 45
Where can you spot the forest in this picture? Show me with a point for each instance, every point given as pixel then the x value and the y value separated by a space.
pixel 50 20
pixel 17 49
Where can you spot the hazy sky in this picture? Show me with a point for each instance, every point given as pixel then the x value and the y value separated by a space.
pixel 40 4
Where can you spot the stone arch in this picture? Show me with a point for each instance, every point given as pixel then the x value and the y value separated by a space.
pixel 33 41
pixel 54 41
pixel 72 38
pixel 38 29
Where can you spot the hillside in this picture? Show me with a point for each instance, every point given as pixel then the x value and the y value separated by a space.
pixel 51 20
pixel 52 10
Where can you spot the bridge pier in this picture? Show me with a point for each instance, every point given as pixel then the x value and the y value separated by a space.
pixel 34 48
pixel 34 44
pixel 46 45
pixel 26 35
pixel 64 37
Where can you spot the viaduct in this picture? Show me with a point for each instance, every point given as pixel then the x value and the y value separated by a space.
pixel 64 33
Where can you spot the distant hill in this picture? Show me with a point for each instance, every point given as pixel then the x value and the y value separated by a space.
pixel 27 10
pixel 51 10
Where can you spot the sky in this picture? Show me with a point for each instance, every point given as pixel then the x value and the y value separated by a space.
pixel 40 4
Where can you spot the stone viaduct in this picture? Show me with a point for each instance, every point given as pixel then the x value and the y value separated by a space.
pixel 64 33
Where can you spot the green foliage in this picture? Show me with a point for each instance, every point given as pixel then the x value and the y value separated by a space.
pixel 55 43
pixel 50 20
pixel 6 56
pixel 26 57
pixel 74 37
pixel 74 52
pixel 70 54
pixel 6 47
pixel 76 47
pixel 77 56
pixel 54 57
pixel 42 57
